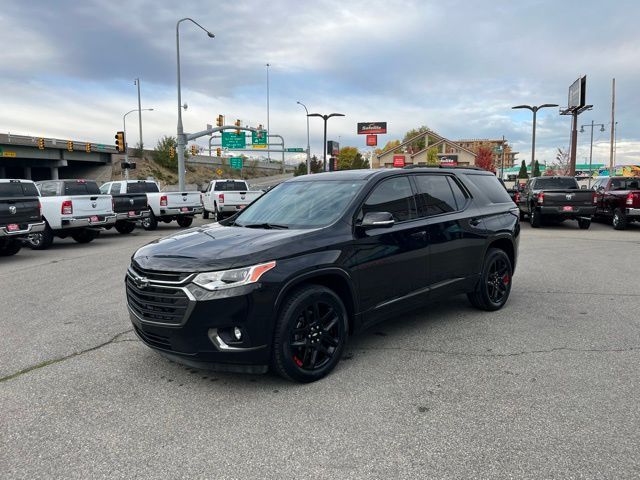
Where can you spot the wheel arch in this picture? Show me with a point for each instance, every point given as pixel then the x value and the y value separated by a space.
pixel 505 244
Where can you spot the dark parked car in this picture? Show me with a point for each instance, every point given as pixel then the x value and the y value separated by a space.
pixel 556 198
pixel 618 199
pixel 19 214
pixel 284 282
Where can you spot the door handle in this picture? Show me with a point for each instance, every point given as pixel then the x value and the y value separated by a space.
pixel 474 222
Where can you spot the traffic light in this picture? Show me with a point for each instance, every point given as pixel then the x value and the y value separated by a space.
pixel 220 120
pixel 41 143
pixel 238 123
pixel 194 150
pixel 172 151
pixel 120 141
pixel 70 145
pixel 87 147
pixel 218 152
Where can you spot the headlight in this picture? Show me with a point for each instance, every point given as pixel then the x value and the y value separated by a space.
pixel 232 278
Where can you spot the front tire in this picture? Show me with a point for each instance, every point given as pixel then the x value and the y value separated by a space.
pixel 124 227
pixel 535 218
pixel 150 223
pixel 41 240
pixel 85 236
pixel 205 214
pixel 619 220
pixel 584 223
pixel 10 247
pixel 310 335
pixel 523 216
pixel 494 286
pixel 185 222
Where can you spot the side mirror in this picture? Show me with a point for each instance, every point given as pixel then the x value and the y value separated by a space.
pixel 377 220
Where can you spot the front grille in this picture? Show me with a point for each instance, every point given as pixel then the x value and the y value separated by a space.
pixel 157 304
pixel 159 276
pixel 158 341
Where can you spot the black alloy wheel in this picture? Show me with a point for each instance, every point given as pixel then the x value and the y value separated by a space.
pixel 310 334
pixel 494 286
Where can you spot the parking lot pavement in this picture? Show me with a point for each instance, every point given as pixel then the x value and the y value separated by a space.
pixel 545 388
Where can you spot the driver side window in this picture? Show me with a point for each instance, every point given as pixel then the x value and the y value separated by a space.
pixel 394 196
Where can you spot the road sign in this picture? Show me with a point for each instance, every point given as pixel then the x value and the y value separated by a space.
pixel 296 149
pixel 259 146
pixel 235 162
pixel 260 139
pixel 219 172
pixel 233 140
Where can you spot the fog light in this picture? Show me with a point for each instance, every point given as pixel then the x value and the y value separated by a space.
pixel 237 333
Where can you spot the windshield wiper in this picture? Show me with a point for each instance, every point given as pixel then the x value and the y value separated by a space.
pixel 264 225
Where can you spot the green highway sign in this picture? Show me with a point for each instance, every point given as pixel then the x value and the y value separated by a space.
pixel 296 149
pixel 235 162
pixel 233 140
pixel 259 140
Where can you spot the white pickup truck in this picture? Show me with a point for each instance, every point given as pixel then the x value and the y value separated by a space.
pixel 165 206
pixel 71 208
pixel 226 197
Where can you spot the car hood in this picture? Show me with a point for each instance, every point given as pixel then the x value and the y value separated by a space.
pixel 217 247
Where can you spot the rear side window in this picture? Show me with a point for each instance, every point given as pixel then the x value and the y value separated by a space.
pixel 142 187
pixel 230 186
pixel 490 187
pixel 115 189
pixel 18 189
pixel 394 196
pixel 435 195
pixel 81 188
pixel 625 184
pixel 49 189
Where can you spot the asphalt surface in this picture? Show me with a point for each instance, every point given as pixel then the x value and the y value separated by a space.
pixel 547 387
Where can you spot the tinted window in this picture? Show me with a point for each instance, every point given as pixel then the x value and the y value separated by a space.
pixel 550 183
pixel 115 189
pixel 394 196
pixel 142 187
pixel 625 184
pixel 301 204
pixel 459 195
pixel 81 187
pixel 49 189
pixel 491 188
pixel 230 186
pixel 435 194
pixel 18 189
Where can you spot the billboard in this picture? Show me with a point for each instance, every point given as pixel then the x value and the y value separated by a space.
pixel 368 128
pixel 333 147
pixel 578 93
pixel 372 140
pixel 398 160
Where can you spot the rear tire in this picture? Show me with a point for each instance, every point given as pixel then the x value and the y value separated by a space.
pixel 85 236
pixel 10 247
pixel 150 223
pixel 185 222
pixel 41 240
pixel 310 334
pixel 619 220
pixel 494 286
pixel 535 218
pixel 205 214
pixel 523 216
pixel 124 227
pixel 584 223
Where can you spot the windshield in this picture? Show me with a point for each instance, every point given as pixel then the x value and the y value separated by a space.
pixel 555 182
pixel 301 204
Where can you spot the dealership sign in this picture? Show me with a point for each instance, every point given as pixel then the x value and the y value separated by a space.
pixel 578 93
pixel 448 160
pixel 398 160
pixel 372 140
pixel 369 128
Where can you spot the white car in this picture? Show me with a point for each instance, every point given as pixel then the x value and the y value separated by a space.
pixel 72 208
pixel 165 206
pixel 227 197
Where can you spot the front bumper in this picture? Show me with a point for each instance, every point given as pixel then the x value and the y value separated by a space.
pixel 135 216
pixel 80 222
pixel 181 211
pixel 558 211
pixel 200 336
pixel 30 228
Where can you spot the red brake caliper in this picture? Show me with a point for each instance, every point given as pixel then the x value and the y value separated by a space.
pixel 297 360
pixel 506 279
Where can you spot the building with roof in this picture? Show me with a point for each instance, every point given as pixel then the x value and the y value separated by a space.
pixel 496 147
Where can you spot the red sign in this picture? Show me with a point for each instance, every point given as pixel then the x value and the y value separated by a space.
pixel 398 160
pixel 372 140
pixel 368 128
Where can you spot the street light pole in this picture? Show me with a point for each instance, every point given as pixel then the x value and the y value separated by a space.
pixel 534 109
pixel 308 142
pixel 268 129
pixel 137 82
pixel 124 129
pixel 181 140
pixel 601 125
pixel 324 145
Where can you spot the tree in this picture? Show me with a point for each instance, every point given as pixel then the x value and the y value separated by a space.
pixel 316 165
pixel 523 170
pixel 419 144
pixel 536 169
pixel 432 157
pixel 562 162
pixel 484 159
pixel 161 153
pixel 301 169
pixel 350 158
pixel 391 144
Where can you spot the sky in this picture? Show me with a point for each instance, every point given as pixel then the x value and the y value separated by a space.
pixel 67 69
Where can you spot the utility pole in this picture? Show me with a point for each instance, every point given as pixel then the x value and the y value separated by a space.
pixel 268 129
pixel 502 166
pixel 137 82
pixel 613 128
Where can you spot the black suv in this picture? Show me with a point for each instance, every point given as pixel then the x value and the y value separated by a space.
pixel 284 282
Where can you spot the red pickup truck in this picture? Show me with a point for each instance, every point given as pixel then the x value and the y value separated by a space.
pixel 618 199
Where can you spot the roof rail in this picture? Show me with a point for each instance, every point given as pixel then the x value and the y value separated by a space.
pixel 408 167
